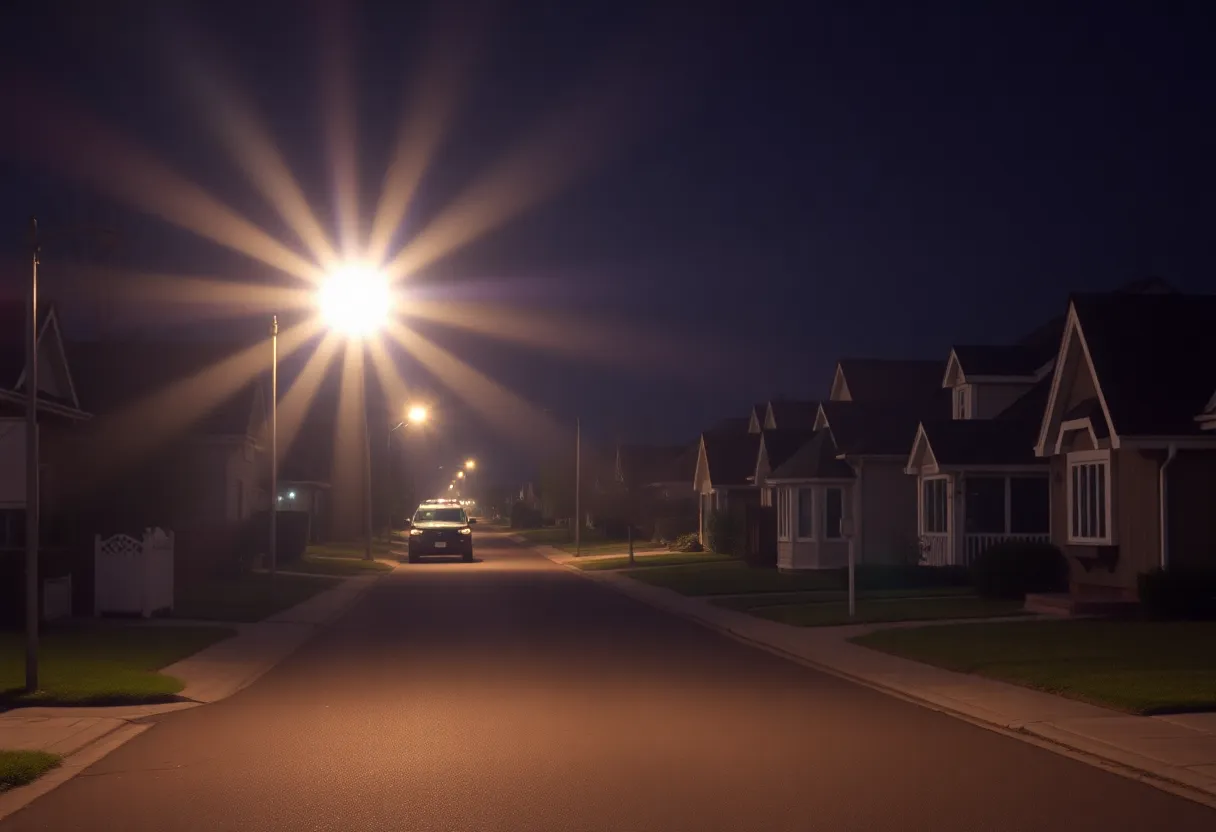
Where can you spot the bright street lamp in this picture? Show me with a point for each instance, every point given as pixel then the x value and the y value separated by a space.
pixel 470 464
pixel 355 301
pixel 417 414
pixel 460 475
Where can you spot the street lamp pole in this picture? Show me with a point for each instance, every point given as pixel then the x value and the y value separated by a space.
pixel 272 552
pixel 31 471
pixel 578 486
pixel 367 462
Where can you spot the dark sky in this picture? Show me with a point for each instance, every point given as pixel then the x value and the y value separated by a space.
pixel 773 185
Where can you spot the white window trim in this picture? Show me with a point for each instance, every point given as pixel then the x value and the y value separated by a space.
pixel 946 499
pixel 826 531
pixel 1089 458
pixel 783 517
pixel 962 401
pixel 796 515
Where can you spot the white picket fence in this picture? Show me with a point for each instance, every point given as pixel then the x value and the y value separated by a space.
pixel 133 576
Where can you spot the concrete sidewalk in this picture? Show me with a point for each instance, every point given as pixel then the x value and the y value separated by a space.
pixel 83 735
pixel 1177 753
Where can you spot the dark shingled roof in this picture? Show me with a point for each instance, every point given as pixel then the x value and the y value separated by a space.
pixel 1154 356
pixel 1001 360
pixel 779 445
pixel 816 459
pixel 882 428
pixel 731 458
pixel 982 442
pixel 888 379
pixel 793 414
pixel 113 375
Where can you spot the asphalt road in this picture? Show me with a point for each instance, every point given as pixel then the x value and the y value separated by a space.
pixel 511 694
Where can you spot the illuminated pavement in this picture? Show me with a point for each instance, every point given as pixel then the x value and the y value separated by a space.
pixel 513 695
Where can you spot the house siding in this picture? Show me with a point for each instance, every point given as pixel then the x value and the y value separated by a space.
pixel 1191 486
pixel 888 513
pixel 988 400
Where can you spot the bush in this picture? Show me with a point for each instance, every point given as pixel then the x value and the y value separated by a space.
pixel 1014 568
pixel 1178 593
pixel 686 543
pixel 726 533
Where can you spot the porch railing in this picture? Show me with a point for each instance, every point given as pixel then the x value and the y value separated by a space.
pixel 974 544
pixel 935 549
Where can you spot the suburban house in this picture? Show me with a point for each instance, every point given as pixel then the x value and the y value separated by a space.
pixel 813 491
pixel 978 480
pixel 724 477
pixel 776 446
pixel 1127 432
pixel 176 444
pixel 60 416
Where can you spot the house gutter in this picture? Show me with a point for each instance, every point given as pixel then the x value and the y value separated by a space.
pixel 1163 507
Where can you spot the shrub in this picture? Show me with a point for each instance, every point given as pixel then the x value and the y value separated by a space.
pixel 1015 567
pixel 725 533
pixel 1178 593
pixel 686 543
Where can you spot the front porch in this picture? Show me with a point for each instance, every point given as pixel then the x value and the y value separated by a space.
pixel 962 514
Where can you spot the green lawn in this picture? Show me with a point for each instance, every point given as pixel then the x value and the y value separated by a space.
pixel 18 768
pixel 247 598
pixel 747 603
pixel 101 664
pixel 730 577
pixel 353 550
pixel 874 611
pixel 1138 666
pixel 324 564
pixel 650 561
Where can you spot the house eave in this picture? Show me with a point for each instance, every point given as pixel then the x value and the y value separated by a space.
pixel 799 480
pixel 1030 468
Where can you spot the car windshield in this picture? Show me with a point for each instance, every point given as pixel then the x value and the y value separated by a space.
pixel 440 515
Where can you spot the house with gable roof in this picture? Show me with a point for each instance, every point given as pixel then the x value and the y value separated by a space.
pixel 845 486
pixel 1127 434
pixel 724 478
pixel 60 416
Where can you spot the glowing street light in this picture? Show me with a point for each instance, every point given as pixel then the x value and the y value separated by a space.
pixel 417 414
pixel 355 300
pixel 460 475
pixel 470 464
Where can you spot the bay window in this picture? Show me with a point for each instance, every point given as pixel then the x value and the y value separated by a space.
pixel 833 513
pixel 806 514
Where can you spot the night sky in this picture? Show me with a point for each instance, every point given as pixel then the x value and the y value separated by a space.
pixel 770 186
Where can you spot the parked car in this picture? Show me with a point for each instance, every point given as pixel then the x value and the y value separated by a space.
pixel 440 529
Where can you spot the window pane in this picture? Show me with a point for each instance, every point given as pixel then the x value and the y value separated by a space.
pixel 806 503
pixel 1100 499
pixel 1074 525
pixel 935 506
pixel 985 505
pixel 833 512
pixel 1030 505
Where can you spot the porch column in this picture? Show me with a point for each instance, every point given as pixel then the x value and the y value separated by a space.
pixel 1008 505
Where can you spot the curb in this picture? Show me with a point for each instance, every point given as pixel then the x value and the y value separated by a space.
pixel 130 725
pixel 1042 735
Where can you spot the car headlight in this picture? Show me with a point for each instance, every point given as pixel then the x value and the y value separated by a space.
pixel 466 530
pixel 414 532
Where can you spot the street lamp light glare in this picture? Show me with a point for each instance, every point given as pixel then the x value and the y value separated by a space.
pixel 355 300
pixel 470 464
pixel 417 413
pixel 460 475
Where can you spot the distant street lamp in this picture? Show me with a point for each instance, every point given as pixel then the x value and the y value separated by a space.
pixel 355 300
pixel 415 414
pixel 272 551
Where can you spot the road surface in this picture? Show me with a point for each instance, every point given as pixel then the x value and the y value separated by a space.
pixel 511 694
